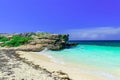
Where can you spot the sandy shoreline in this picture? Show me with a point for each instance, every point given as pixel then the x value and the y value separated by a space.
pixel 12 68
pixel 21 65
pixel 44 61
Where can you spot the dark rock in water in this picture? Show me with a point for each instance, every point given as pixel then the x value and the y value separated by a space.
pixel 71 44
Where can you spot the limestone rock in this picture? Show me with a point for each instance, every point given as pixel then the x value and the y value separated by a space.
pixel 41 40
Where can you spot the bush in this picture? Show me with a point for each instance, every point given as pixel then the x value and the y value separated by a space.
pixel 17 40
pixel 64 37
pixel 3 39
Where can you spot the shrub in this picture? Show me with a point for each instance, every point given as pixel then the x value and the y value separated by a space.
pixel 17 40
pixel 3 39
pixel 64 37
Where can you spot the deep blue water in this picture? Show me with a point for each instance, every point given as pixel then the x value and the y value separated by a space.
pixel 115 43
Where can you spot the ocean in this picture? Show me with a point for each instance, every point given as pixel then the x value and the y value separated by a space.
pixel 97 57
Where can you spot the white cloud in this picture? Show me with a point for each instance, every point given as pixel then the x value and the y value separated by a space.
pixel 94 33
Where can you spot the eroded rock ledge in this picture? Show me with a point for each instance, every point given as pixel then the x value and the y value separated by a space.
pixel 39 41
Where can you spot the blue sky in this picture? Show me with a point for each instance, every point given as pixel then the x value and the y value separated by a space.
pixel 82 19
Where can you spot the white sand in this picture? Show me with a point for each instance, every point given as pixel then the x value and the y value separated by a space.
pixel 44 61
pixel 14 69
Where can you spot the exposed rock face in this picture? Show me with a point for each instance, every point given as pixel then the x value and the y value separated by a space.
pixel 51 41
pixel 41 41
pixel 71 44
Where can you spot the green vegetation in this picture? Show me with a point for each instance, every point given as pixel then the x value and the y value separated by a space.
pixel 63 37
pixel 3 39
pixel 14 41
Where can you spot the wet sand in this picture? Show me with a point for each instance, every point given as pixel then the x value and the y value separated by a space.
pixel 21 65
pixel 44 61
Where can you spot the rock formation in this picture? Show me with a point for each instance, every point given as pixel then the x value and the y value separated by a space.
pixel 40 41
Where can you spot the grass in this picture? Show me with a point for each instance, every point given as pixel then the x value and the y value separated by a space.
pixel 3 39
pixel 14 41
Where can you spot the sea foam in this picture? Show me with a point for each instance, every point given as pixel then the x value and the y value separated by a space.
pixel 49 53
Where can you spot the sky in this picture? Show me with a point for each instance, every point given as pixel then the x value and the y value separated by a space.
pixel 82 19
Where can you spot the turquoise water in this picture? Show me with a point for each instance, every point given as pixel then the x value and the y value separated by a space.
pixel 93 57
pixel 101 58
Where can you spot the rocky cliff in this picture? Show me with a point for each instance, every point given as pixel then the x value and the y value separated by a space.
pixel 37 42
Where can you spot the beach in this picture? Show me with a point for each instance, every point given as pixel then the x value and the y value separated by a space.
pixel 11 68
pixel 21 65
pixel 82 62
pixel 45 62
pixel 59 40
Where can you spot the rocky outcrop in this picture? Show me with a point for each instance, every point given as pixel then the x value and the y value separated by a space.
pixel 71 44
pixel 51 41
pixel 41 41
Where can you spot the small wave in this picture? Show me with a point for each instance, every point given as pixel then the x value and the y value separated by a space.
pixel 49 53
pixel 45 50
pixel 53 59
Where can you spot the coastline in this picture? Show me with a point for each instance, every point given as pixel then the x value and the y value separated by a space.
pixel 45 68
pixel 45 62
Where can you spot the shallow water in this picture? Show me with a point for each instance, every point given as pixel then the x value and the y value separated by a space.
pixel 101 60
